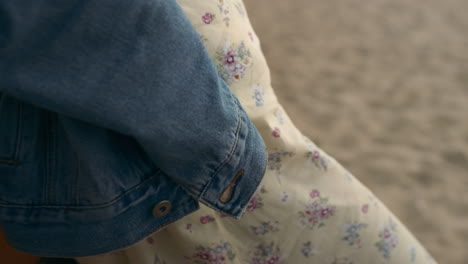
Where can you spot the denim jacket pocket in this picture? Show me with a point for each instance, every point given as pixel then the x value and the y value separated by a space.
pixel 10 129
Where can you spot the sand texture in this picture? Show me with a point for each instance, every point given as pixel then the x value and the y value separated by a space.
pixel 383 87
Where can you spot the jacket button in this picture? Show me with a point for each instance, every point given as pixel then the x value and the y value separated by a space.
pixel 162 208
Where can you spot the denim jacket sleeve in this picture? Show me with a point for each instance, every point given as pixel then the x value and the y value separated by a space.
pixel 139 68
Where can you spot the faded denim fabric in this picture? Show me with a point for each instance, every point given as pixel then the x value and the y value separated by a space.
pixel 107 108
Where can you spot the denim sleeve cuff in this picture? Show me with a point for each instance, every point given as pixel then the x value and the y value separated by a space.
pixel 234 183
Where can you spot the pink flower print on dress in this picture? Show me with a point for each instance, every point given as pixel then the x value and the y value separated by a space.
pixel 233 61
pixel 208 18
pixel 273 260
pixel 365 208
pixel 251 36
pixel 317 159
pixel 150 240
pixel 276 132
pixel 325 212
pixel 204 255
pixel 206 219
pixel 229 59
pixel 216 254
pixel 315 155
pixel 316 212
pixel 314 193
pixel 254 203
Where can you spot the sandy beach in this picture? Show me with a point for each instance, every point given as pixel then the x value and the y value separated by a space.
pixel 383 87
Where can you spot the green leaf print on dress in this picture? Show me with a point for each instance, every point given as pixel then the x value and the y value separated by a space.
pixel 225 11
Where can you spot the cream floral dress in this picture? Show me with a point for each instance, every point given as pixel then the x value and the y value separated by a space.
pixel 307 209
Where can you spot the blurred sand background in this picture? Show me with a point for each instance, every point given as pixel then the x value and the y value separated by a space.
pixel 382 86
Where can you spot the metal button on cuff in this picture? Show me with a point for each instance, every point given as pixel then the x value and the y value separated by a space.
pixel 162 208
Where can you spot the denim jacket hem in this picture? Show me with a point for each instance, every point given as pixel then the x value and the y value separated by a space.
pixel 71 238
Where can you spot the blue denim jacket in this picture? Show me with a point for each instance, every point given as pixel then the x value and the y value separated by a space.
pixel 113 124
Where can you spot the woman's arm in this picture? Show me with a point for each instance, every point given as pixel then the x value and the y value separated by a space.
pixel 139 68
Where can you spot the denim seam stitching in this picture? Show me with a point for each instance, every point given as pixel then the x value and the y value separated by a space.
pixel 19 129
pixel 113 201
pixel 231 152
pixel 15 158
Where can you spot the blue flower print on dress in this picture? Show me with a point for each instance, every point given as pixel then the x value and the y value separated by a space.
pixel 265 254
pixel 280 116
pixel 256 200
pixel 240 8
pixel 412 254
pixel 307 249
pixel 265 227
pixel 316 158
pixel 352 233
pixel 258 94
pixel 388 239
pixel 316 211
pixel 275 159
